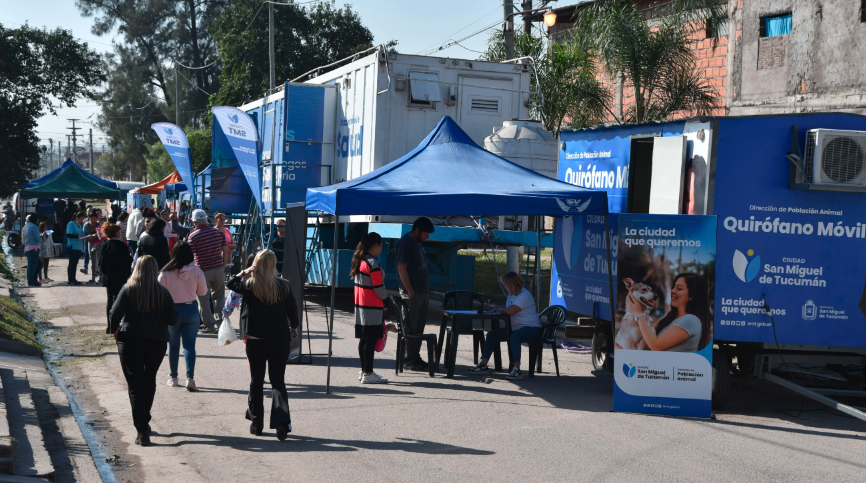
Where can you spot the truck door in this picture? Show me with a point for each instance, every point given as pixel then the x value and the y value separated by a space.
pixel 656 174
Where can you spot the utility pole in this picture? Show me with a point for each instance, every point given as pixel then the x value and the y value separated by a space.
pixel 51 153
pixel 68 151
pixel 508 28
pixel 527 24
pixel 271 43
pixel 90 132
pixel 176 95
pixel 74 138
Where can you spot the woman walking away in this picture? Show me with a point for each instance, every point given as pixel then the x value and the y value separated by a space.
pixel 525 325
pixel 46 252
pixel 154 242
pixel 74 232
pixel 115 265
pixel 269 320
pixel 139 321
pixel 370 297
pixel 121 221
pixel 185 281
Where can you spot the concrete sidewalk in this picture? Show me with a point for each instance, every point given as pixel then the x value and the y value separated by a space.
pixel 422 429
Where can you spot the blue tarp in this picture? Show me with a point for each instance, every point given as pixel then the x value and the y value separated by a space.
pixel 35 182
pixel 448 174
pixel 775 26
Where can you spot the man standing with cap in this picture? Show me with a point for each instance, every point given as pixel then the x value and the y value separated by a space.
pixel 414 283
pixel 207 245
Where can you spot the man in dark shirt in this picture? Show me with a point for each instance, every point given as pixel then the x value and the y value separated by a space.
pixel 413 279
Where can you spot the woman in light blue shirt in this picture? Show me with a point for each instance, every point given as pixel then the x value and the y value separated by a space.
pixel 74 232
pixel 684 328
pixel 32 244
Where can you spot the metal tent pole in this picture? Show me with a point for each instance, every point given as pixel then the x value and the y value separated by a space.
pixel 538 223
pixel 609 270
pixel 333 299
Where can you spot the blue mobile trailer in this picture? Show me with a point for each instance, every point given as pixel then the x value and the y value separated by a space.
pixel 790 193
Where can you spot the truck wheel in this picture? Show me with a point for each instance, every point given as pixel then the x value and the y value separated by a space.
pixel 602 348
pixel 721 378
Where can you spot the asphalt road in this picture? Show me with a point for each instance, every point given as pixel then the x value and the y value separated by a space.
pixel 421 429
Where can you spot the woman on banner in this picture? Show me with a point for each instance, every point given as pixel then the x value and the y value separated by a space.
pixel 684 328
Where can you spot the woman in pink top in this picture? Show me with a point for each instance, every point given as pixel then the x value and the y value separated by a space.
pixel 185 281
pixel 230 245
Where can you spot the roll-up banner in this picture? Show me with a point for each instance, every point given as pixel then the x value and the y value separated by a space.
pixel 241 133
pixel 175 142
pixel 664 314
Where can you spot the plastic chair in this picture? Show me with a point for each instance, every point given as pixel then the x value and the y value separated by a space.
pixel 551 318
pixel 464 300
pixel 404 335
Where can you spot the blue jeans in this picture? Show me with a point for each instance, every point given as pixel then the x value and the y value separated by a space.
pixel 185 330
pixel 32 266
pixel 519 336
pixel 86 250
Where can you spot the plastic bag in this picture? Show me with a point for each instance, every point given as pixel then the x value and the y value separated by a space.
pixel 226 333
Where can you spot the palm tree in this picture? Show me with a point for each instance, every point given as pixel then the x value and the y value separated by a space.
pixel 566 91
pixel 654 59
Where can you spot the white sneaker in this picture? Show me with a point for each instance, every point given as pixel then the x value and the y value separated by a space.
pixel 172 382
pixel 190 384
pixel 360 375
pixel 515 374
pixel 373 379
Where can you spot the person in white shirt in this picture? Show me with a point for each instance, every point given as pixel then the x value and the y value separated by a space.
pixel 525 325
pixel 131 226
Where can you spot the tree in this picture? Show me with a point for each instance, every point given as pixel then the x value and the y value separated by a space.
pixel 200 148
pixel 40 70
pixel 159 164
pixel 112 166
pixel 565 88
pixel 305 37
pixel 654 59
pixel 141 91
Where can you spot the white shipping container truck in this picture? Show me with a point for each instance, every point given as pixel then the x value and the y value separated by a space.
pixel 387 103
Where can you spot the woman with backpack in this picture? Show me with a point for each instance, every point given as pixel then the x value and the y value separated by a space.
pixel 370 300
pixel 140 319
pixel 269 321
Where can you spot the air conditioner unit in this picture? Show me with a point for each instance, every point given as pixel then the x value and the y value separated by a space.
pixel 835 157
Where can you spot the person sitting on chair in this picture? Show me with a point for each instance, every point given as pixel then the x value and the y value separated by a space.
pixel 525 325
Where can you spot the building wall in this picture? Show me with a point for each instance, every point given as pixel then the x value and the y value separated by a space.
pixel 817 67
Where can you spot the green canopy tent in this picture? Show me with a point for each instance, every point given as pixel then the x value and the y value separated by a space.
pixel 70 181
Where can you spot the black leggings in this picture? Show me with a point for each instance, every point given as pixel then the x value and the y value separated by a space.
pixel 44 268
pixel 366 350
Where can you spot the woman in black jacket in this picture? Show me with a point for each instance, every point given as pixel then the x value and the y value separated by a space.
pixel 115 265
pixel 268 323
pixel 154 242
pixel 139 321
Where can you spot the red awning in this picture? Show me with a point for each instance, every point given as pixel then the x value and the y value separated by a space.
pixel 155 188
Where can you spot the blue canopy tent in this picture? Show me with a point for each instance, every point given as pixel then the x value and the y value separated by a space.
pixel 448 174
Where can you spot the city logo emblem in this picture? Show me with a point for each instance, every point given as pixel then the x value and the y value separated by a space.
pixel 559 288
pixel 629 369
pixel 810 310
pixel 572 205
pixel 571 239
pixel 167 131
pixel 746 270
pixel 233 118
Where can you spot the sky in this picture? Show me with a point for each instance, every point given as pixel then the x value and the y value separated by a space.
pixel 418 26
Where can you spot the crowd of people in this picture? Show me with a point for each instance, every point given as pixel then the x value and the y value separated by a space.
pixel 166 283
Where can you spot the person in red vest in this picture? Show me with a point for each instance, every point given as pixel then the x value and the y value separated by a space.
pixel 370 300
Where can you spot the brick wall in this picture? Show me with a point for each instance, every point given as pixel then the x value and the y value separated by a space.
pixel 772 51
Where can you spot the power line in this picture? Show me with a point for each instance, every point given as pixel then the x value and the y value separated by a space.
pixel 448 37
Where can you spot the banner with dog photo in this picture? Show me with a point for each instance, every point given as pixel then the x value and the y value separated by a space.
pixel 664 314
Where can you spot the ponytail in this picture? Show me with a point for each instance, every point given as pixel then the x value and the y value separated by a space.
pixel 367 242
